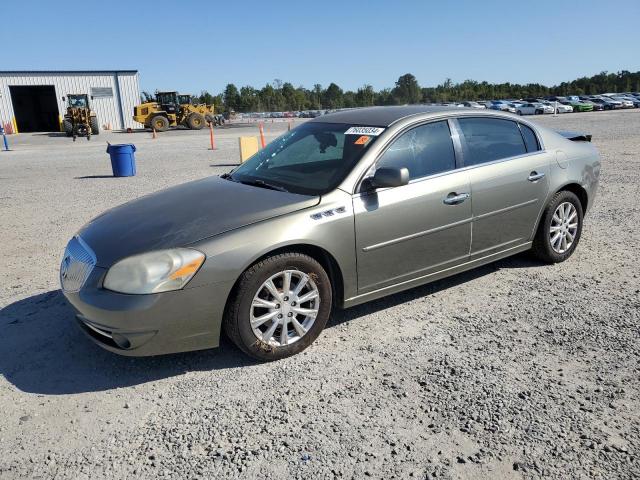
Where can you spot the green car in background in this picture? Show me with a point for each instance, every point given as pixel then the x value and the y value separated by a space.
pixel 578 105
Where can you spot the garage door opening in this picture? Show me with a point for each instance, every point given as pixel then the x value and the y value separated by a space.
pixel 35 108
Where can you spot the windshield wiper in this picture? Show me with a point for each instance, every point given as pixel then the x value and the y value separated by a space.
pixel 263 184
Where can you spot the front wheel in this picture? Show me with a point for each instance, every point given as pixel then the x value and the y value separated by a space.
pixel 95 128
pixel 280 306
pixel 68 127
pixel 160 123
pixel 195 121
pixel 560 228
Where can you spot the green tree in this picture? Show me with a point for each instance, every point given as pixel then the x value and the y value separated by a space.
pixel 333 96
pixel 317 96
pixel 289 95
pixel 407 89
pixel 231 97
pixel 249 100
pixel 365 96
pixel 205 97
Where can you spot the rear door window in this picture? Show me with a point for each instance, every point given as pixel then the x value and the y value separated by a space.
pixel 530 139
pixel 490 139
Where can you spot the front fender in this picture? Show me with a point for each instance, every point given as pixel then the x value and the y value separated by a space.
pixel 231 253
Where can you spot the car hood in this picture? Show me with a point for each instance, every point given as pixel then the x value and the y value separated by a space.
pixel 184 214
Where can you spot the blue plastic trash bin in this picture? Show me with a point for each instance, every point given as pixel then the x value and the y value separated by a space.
pixel 123 159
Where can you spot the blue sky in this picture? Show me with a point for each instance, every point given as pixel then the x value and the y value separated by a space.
pixel 196 45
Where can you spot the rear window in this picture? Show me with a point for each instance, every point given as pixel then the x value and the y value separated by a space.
pixel 530 139
pixel 490 139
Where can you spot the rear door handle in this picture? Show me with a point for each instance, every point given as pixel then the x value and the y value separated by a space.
pixel 455 198
pixel 534 176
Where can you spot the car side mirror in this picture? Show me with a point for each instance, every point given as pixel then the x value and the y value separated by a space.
pixel 389 177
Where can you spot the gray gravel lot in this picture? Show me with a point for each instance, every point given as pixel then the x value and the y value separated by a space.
pixel 513 370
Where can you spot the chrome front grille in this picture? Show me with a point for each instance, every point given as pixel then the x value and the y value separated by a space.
pixel 77 264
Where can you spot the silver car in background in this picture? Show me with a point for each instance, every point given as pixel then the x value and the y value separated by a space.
pixel 345 208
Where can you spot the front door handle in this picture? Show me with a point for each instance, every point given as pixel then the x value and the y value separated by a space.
pixel 535 176
pixel 455 198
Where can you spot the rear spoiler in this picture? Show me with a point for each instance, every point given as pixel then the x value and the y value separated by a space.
pixel 575 136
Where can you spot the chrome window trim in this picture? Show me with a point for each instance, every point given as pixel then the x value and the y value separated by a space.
pixel 397 135
pixel 449 172
pixel 514 120
pixel 456 137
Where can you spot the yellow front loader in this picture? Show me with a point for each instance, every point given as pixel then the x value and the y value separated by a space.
pixel 171 110
pixel 79 120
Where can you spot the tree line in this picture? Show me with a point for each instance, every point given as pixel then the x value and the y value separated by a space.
pixel 281 96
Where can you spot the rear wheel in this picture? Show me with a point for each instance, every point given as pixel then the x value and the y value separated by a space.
pixel 95 129
pixel 160 123
pixel 560 228
pixel 280 306
pixel 195 121
pixel 519 112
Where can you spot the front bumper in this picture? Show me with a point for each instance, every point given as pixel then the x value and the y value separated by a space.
pixel 154 324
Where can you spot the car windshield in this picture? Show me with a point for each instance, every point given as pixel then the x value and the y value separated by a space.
pixel 311 160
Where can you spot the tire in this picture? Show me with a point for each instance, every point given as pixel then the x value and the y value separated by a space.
pixel 160 123
pixel 251 286
pixel 542 243
pixel 539 112
pixel 519 112
pixel 95 129
pixel 195 121
pixel 68 127
pixel 209 119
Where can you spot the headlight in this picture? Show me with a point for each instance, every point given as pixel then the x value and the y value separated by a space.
pixel 154 272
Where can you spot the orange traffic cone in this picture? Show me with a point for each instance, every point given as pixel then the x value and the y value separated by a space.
pixel 262 142
pixel 211 138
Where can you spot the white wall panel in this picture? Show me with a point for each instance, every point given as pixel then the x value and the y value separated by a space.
pixel 116 111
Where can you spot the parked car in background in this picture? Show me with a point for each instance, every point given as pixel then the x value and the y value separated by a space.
pixel 578 105
pixel 634 100
pixel 561 107
pixel 606 102
pixel 473 105
pixel 626 102
pixel 596 106
pixel 329 215
pixel 529 109
pixel 500 105
pixel 547 107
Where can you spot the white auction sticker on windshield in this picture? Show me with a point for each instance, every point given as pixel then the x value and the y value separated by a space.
pixel 371 131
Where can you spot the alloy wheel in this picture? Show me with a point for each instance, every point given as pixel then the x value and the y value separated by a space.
pixel 564 227
pixel 284 308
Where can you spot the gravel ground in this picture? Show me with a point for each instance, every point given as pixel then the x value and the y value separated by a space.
pixel 513 370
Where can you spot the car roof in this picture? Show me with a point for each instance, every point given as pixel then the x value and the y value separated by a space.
pixel 381 116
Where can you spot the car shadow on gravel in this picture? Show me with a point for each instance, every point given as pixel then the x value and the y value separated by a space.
pixel 523 260
pixel 43 351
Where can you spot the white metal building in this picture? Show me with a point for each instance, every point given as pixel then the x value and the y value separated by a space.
pixel 34 101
